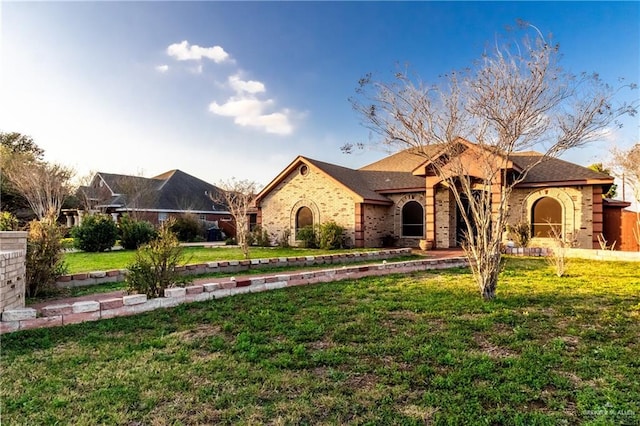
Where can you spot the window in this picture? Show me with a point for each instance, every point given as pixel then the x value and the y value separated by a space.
pixel 546 215
pixel 412 220
pixel 304 170
pixel 304 217
pixel 162 217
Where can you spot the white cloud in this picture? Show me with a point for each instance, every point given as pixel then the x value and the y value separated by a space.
pixel 162 68
pixel 250 86
pixel 184 52
pixel 249 111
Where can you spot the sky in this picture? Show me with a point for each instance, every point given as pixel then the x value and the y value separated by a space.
pixel 239 89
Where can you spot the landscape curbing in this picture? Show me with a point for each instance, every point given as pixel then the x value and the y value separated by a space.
pixel 56 315
pixel 232 266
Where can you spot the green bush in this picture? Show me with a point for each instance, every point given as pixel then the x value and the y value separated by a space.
pixel 187 228
pixel 96 233
pixel 307 236
pixel 44 262
pixel 135 233
pixel 330 236
pixel 8 222
pixel 154 268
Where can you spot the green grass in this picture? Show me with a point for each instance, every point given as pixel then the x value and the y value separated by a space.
pixel 411 349
pixel 120 259
pixel 56 293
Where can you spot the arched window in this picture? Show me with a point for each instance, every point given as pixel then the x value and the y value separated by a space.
pixel 304 217
pixel 546 216
pixel 412 220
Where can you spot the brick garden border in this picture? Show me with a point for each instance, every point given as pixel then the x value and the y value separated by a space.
pixel 233 266
pixel 58 315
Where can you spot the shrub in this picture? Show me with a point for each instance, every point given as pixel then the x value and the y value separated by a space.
pixel 258 237
pixel 154 268
pixel 307 236
pixel 186 227
pixel 96 233
pixel 8 222
pixel 44 263
pixel 135 233
pixel 520 233
pixel 230 242
pixel 283 241
pixel 330 236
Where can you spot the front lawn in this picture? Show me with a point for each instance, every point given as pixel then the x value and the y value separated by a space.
pixel 120 259
pixel 411 349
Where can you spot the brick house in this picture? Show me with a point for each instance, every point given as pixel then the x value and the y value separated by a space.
pixel 153 199
pixel 397 199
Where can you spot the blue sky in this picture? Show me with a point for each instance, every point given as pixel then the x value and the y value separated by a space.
pixel 241 88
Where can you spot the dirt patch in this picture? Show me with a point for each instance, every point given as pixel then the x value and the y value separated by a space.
pixel 488 348
pixel 198 333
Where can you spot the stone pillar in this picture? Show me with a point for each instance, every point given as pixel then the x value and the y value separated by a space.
pixel 430 209
pixel 114 216
pixel 80 215
pixel 69 220
pixel 13 251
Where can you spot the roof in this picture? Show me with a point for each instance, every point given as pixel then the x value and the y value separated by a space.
pixel 403 161
pixel 173 190
pixel 556 170
pixel 397 173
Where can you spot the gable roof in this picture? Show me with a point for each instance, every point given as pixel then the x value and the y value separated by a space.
pixel 181 191
pixel 404 172
pixel 173 190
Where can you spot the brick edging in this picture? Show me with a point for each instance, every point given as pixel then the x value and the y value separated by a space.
pixel 57 315
pixel 233 266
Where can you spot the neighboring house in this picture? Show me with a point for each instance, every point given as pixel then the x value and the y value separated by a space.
pixel 397 199
pixel 154 199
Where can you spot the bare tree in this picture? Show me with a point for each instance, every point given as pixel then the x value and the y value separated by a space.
pixel 138 193
pixel 44 185
pixel 12 144
pixel 627 168
pixel 237 196
pixel 515 98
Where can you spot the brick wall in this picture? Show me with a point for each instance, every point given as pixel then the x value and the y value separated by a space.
pixel 13 250
pixel 577 210
pixel 326 199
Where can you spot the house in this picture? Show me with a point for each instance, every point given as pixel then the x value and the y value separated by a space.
pixel 401 199
pixel 153 199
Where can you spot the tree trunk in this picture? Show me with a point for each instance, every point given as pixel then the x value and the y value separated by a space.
pixel 486 265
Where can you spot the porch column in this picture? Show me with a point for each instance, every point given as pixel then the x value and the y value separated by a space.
pixel 80 215
pixel 114 216
pixel 359 226
pixel 69 217
pixel 430 209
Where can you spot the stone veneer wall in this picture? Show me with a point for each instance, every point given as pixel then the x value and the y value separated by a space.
pixel 312 190
pixel 13 251
pixel 576 205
